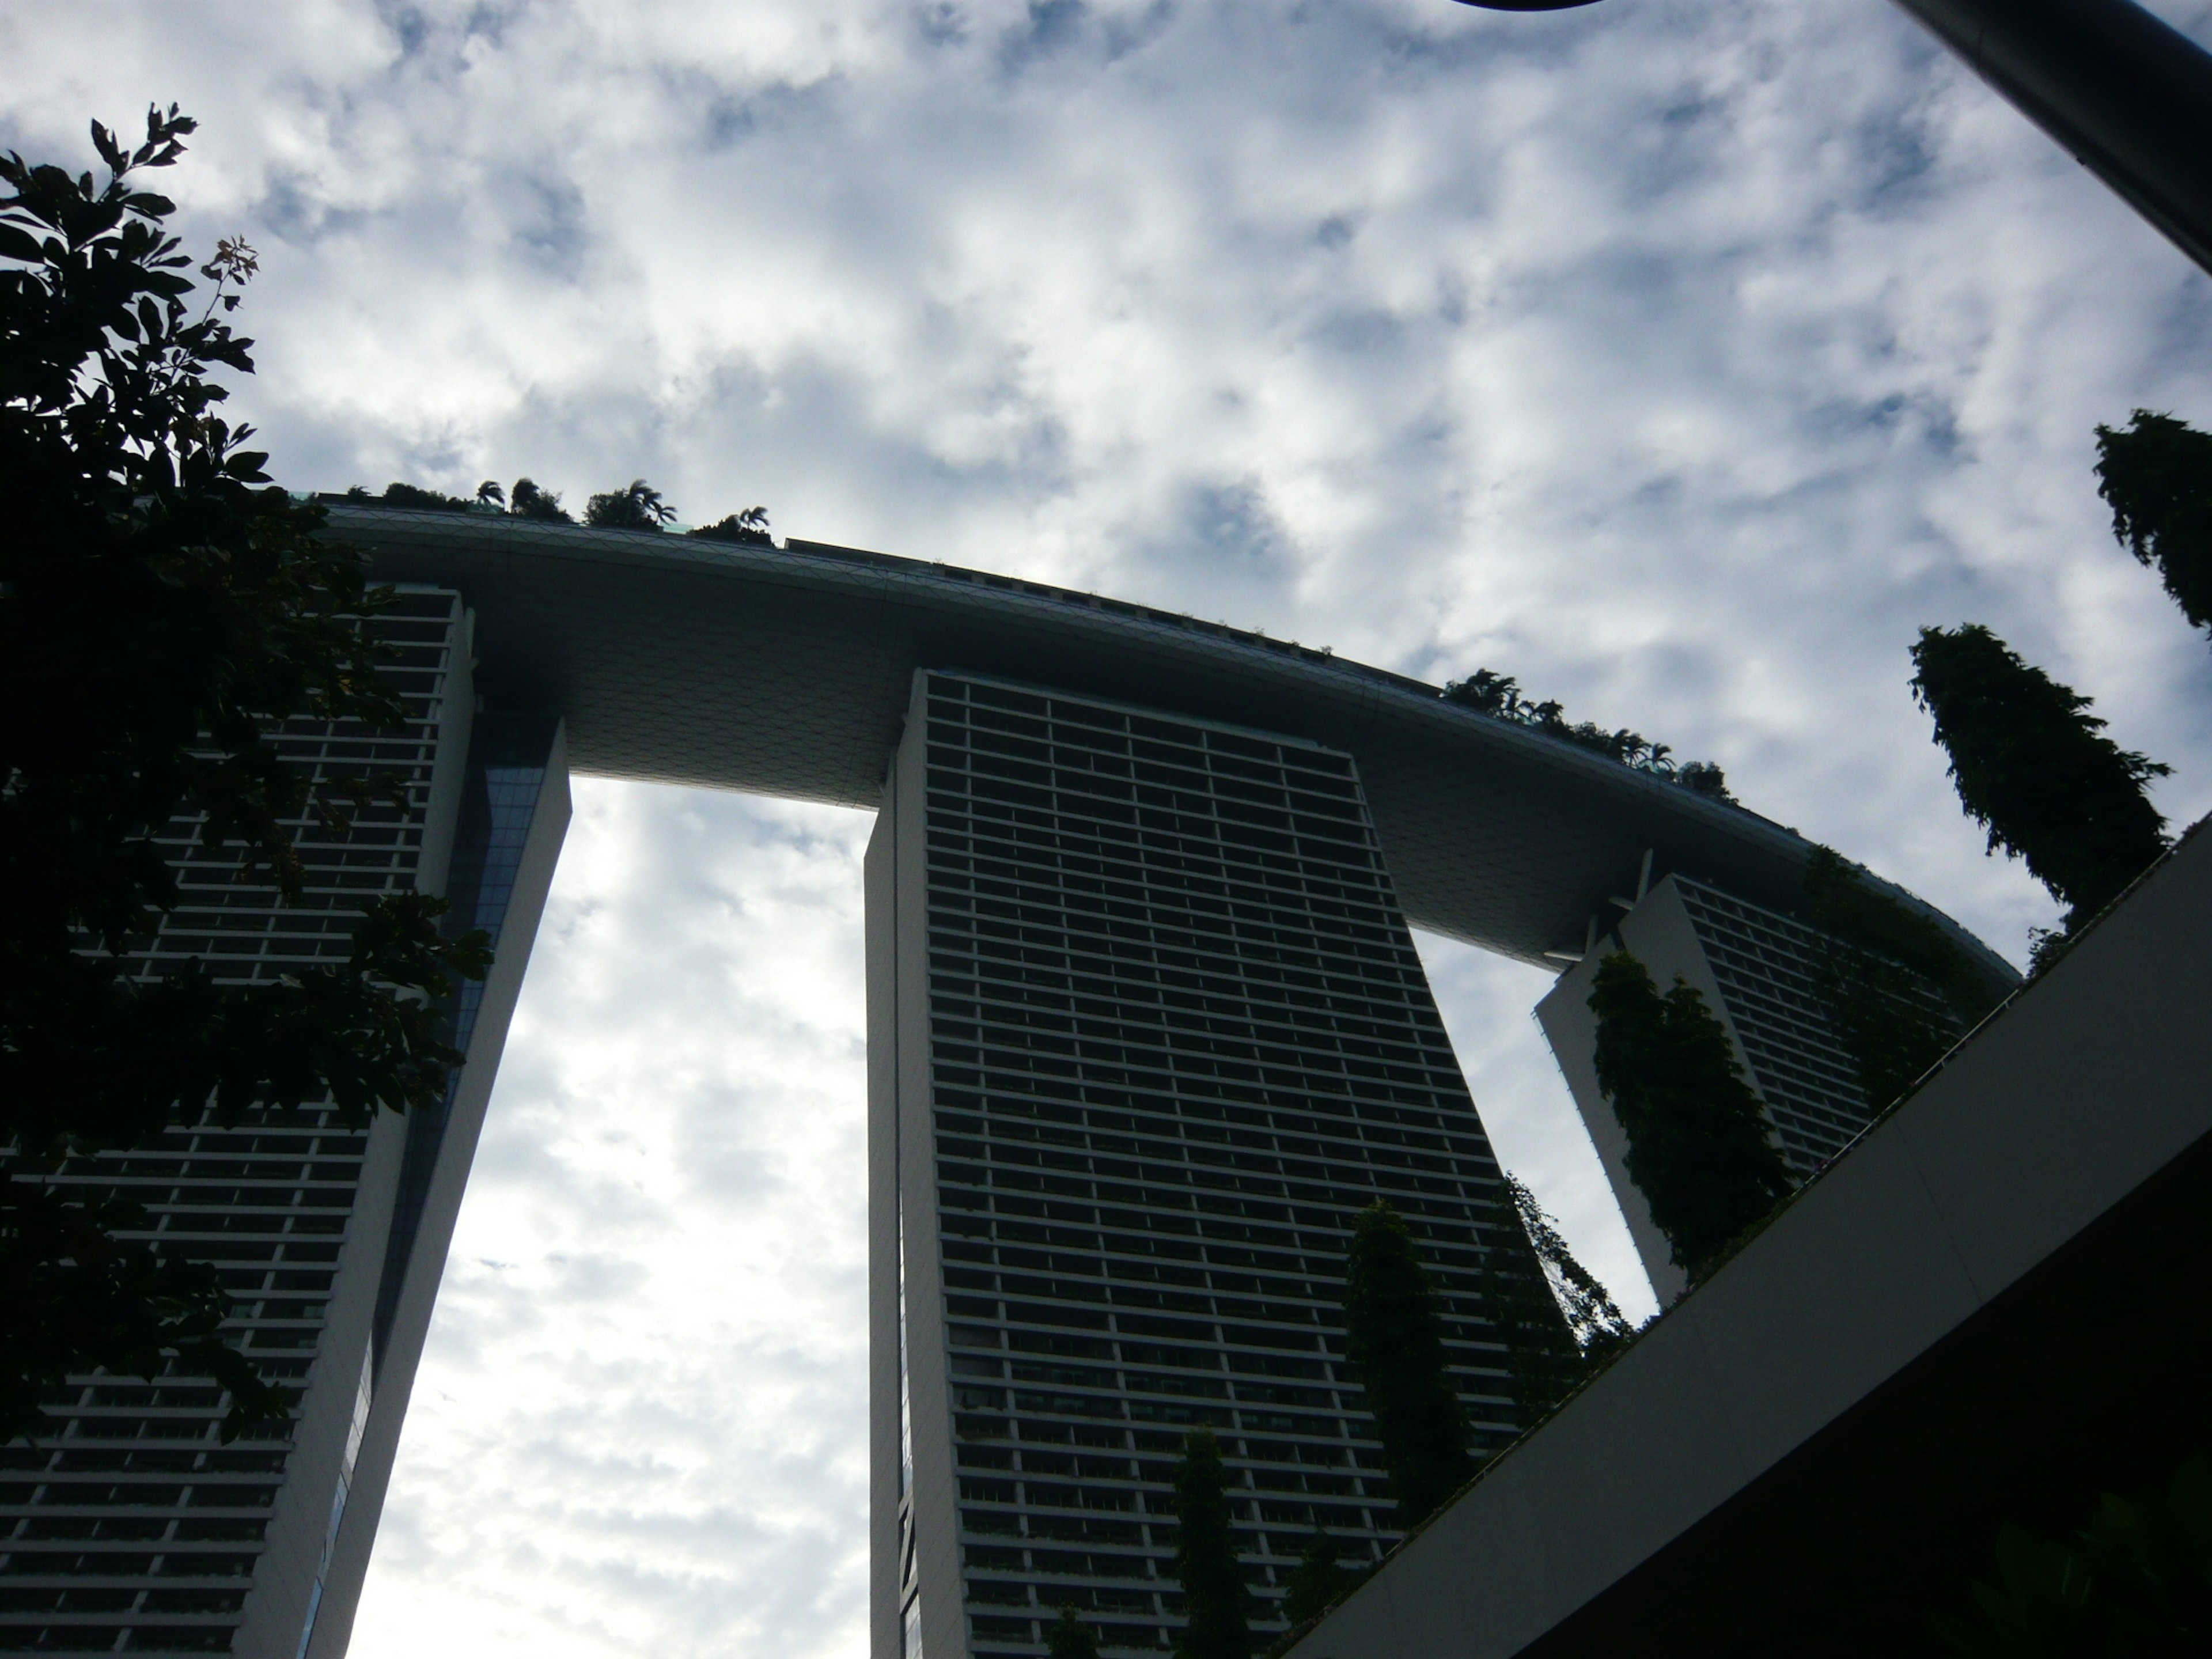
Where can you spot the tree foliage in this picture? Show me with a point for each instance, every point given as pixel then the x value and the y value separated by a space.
pixel 413 495
pixel 1542 1356
pixel 1499 696
pixel 1900 988
pixel 1069 1637
pixel 2137 1581
pixel 1393 1341
pixel 1698 1146
pixel 527 501
pixel 2155 473
pixel 1559 1324
pixel 2034 768
pixel 162 610
pixel 636 506
pixel 1216 1605
pixel 750 527
pixel 1320 1579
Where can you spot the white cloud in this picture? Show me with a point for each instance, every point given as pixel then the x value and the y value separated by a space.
pixel 1681 359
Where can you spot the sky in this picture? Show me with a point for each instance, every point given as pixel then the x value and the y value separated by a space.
pixel 1680 359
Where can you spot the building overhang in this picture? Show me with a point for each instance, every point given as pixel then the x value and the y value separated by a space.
pixel 786 671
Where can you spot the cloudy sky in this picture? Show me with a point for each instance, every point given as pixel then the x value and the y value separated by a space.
pixel 1680 358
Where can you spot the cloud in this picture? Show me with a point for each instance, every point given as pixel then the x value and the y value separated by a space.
pixel 640 1421
pixel 1680 359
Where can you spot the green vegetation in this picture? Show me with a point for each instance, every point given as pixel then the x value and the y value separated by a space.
pixel 1069 1637
pixel 1600 1329
pixel 2156 474
pixel 163 609
pixel 407 494
pixel 637 506
pixel 1499 695
pixel 527 501
pixel 2033 768
pixel 1215 1604
pixel 748 526
pixel 1542 1356
pixel 1698 1146
pixel 1558 1325
pixel 1393 1341
pixel 1319 1579
pixel 1899 988
pixel 2137 1581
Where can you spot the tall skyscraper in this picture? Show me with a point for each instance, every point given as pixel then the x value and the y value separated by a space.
pixel 1146 1032
pixel 134 1527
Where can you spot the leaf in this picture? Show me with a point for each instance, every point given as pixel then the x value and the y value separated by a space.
pixel 109 151
pixel 16 243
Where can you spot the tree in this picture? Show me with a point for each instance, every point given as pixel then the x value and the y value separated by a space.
pixel 1393 1341
pixel 2034 768
pixel 1600 1329
pixel 1900 990
pixel 162 609
pixel 1319 1580
pixel 1069 1637
pixel 1557 1324
pixel 527 501
pixel 1499 695
pixel 2157 475
pixel 639 507
pixel 1698 1146
pixel 1542 1358
pixel 749 526
pixel 408 494
pixel 1215 1602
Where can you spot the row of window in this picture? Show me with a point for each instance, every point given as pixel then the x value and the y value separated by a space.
pixel 1119 888
pixel 1236 1006
pixel 1025 860
pixel 1135 811
pixel 1085 916
pixel 1033 842
pixel 1114 765
pixel 955 702
pixel 1100 951
pixel 1026 1132
pixel 1209 982
pixel 1097 731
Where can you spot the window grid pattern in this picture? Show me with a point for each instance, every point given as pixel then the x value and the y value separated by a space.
pixel 133 1529
pixel 1180 1037
pixel 1767 968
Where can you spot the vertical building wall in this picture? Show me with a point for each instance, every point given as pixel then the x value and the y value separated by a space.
pixel 1758 970
pixel 134 1527
pixel 1146 1032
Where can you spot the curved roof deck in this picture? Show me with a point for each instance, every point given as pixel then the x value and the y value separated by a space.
pixel 786 671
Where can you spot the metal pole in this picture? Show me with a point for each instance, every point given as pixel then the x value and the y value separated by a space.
pixel 2128 96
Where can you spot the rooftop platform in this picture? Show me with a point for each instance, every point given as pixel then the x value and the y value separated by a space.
pixel 786 671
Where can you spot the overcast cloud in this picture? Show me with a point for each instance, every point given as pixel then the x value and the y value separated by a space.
pixel 1680 358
